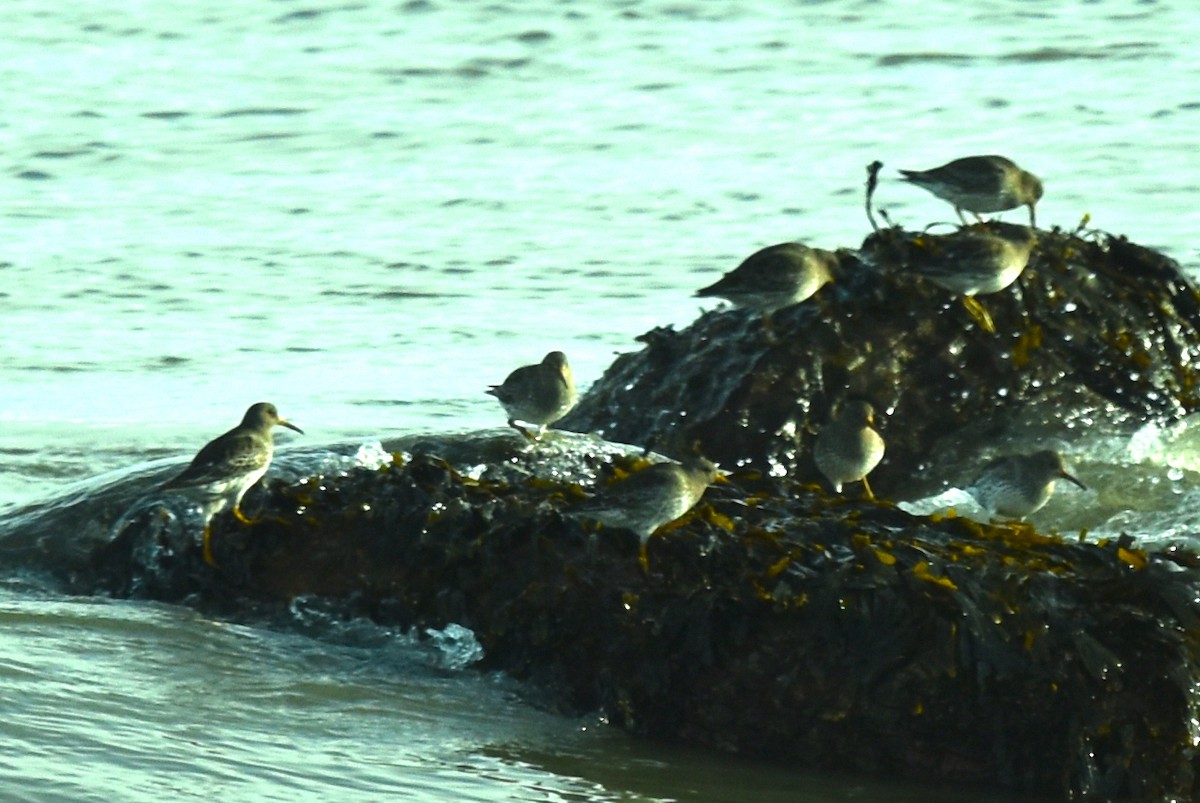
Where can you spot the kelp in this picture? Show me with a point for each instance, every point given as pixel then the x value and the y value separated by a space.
pixel 1095 330
pixel 775 619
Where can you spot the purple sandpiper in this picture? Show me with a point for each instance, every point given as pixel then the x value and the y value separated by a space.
pixel 848 448
pixel 229 466
pixel 981 184
pixel 977 260
pixel 652 497
pixel 537 394
pixel 1015 486
pixel 775 277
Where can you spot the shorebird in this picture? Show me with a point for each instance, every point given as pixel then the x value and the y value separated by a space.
pixel 537 394
pixel 981 184
pixel 775 277
pixel 975 261
pixel 1015 486
pixel 229 466
pixel 848 448
pixel 650 498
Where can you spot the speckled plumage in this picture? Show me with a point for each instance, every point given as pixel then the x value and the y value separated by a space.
pixel 977 260
pixel 775 277
pixel 230 465
pixel 848 448
pixel 652 497
pixel 538 394
pixel 981 184
pixel 1017 485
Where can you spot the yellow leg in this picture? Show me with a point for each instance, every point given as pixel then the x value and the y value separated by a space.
pixel 980 314
pixel 643 558
pixel 867 488
pixel 208 555
pixel 239 515
pixel 512 423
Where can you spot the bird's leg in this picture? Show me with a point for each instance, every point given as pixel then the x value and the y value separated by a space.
pixel 240 516
pixel 961 217
pixel 979 314
pixel 207 547
pixel 512 422
pixel 1032 220
pixel 867 489
pixel 643 557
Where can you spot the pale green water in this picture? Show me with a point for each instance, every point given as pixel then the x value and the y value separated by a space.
pixel 367 213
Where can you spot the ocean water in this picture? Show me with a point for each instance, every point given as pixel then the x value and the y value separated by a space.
pixel 368 212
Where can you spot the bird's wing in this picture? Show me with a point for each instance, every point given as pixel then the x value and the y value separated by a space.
pixel 997 467
pixel 230 454
pixel 980 174
pixel 515 383
pixel 649 480
pixel 770 270
pixel 953 255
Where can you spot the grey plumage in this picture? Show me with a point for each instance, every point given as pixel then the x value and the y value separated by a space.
pixel 230 465
pixel 652 497
pixel 537 394
pixel 848 448
pixel 977 260
pixel 775 277
pixel 1015 486
pixel 981 184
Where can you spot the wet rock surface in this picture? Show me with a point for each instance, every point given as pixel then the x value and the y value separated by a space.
pixel 775 619
pixel 1096 330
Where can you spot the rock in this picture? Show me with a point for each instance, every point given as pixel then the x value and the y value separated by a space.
pixel 774 619
pixel 1096 331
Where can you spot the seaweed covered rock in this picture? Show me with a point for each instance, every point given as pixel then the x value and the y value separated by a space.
pixel 773 620
pixel 1096 329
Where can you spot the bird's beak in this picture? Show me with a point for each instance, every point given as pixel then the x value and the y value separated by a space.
pixel 290 425
pixel 1074 479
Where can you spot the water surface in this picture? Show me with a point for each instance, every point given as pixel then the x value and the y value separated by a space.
pixel 366 213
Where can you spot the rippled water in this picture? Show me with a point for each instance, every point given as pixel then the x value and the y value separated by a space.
pixel 132 701
pixel 368 212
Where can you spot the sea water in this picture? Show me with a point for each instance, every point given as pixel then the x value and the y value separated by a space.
pixel 368 212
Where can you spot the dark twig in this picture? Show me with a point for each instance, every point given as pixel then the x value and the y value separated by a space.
pixel 872 180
